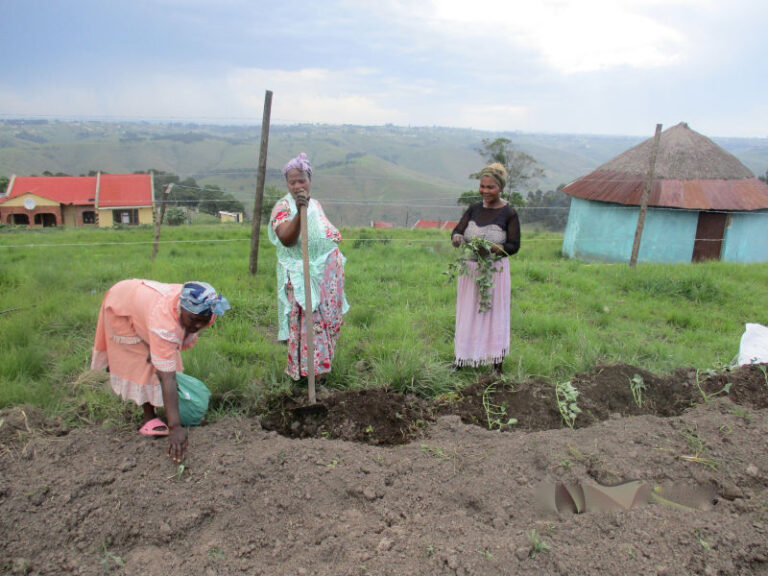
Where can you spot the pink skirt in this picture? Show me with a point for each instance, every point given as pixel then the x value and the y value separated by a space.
pixel 482 338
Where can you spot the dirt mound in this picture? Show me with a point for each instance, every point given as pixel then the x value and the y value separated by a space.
pixel 380 483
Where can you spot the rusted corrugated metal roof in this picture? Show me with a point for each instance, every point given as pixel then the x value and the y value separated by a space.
pixel 620 188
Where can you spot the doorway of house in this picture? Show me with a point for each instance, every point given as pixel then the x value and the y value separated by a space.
pixel 710 232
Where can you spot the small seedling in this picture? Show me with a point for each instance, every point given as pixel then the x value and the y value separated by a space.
pixel 487 553
pixel 637 385
pixel 216 553
pixel 707 397
pixel 696 445
pixel 435 452
pixel 742 413
pixel 537 546
pixel 700 539
pixel 764 371
pixel 566 396
pixel 495 414
pixel 109 561
pixel 179 472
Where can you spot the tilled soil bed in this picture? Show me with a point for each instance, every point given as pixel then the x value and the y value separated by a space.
pixel 381 483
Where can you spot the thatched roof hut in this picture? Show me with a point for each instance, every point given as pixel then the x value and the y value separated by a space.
pixel 693 177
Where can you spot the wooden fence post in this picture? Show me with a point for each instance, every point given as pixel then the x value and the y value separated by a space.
pixel 646 195
pixel 160 218
pixel 260 179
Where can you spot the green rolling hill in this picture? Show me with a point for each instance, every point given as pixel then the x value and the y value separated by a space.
pixel 362 173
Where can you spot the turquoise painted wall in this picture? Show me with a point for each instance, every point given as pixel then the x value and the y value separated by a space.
pixel 598 231
pixel 746 239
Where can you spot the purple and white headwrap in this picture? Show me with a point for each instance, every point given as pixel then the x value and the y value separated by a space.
pixel 301 162
pixel 201 298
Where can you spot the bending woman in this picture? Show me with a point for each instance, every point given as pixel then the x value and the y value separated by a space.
pixel 326 270
pixel 482 338
pixel 143 326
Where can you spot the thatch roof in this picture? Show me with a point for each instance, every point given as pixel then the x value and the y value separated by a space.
pixel 690 172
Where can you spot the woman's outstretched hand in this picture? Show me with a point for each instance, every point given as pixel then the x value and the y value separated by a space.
pixel 457 240
pixel 179 442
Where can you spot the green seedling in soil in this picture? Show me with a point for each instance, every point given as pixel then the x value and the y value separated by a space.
pixel 495 413
pixel 538 546
pixel 764 371
pixel 487 553
pixel 179 472
pixel 216 553
pixel 566 396
pixel 700 539
pixel 743 414
pixel 696 445
pixel 707 397
pixel 479 250
pixel 435 453
pixel 110 562
pixel 637 385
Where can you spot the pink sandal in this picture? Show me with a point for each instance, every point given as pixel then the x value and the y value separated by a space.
pixel 154 427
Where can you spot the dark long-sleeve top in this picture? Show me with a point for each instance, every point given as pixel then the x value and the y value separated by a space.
pixel 499 225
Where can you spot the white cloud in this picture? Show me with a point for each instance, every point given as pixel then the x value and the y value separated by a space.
pixel 308 95
pixel 569 35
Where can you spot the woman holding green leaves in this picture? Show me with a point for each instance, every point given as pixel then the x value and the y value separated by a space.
pixel 488 232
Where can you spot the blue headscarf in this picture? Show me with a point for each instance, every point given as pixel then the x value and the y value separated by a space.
pixel 201 298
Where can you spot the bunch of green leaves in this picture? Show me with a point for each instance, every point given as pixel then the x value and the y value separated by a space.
pixel 566 396
pixel 477 250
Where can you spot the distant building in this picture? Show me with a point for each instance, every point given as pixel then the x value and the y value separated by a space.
pixel 102 200
pixel 704 205
pixel 230 216
pixel 379 224
pixel 439 224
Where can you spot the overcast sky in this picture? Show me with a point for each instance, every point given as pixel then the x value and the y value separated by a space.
pixel 572 66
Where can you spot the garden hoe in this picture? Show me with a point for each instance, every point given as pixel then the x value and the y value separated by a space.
pixel 313 407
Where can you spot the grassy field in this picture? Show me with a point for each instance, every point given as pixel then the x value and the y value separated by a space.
pixel 567 315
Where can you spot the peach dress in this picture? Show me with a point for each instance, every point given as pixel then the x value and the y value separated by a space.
pixel 138 333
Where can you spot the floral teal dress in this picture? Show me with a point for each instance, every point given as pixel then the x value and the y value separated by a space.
pixel 326 272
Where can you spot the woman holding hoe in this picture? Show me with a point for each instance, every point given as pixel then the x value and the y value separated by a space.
pixel 143 326
pixel 326 271
pixel 488 230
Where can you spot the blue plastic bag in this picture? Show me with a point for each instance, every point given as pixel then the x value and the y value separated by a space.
pixel 193 399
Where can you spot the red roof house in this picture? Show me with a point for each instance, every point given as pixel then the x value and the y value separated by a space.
pixel 439 224
pixel 103 200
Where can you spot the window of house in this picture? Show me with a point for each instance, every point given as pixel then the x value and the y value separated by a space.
pixel 46 219
pixel 128 217
pixel 89 217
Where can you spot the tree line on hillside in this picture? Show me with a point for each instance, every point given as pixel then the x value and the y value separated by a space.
pixel 549 209
pixel 186 196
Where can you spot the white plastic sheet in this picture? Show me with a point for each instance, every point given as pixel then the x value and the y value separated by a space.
pixel 754 345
